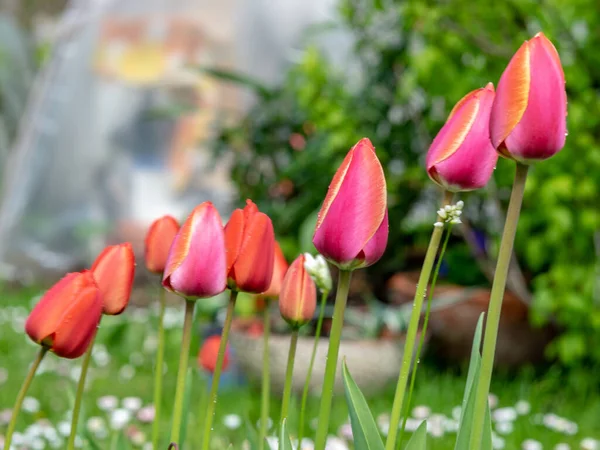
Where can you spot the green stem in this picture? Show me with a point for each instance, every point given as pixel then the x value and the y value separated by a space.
pixel 413 375
pixel 495 306
pixel 114 440
pixel 158 370
pixel 324 296
pixel 182 371
pixel 87 357
pixel 332 357
pixel 212 399
pixel 413 325
pixel 289 372
pixel 266 379
pixel 21 396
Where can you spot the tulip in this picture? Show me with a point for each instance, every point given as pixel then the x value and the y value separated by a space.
pixel 352 226
pixel 113 271
pixel 66 318
pixel 298 297
pixel 461 157
pixel 158 243
pixel 196 266
pixel 207 358
pixel 250 243
pixel 529 114
pixel 280 267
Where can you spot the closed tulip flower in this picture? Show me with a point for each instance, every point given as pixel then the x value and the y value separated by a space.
pixel 528 122
pixel 461 157
pixel 250 243
pixel 67 316
pixel 196 264
pixel 158 243
pixel 298 297
pixel 280 267
pixel 207 358
pixel 113 271
pixel 352 226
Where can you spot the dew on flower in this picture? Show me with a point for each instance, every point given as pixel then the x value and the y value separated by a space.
pixel 531 444
pixel 232 421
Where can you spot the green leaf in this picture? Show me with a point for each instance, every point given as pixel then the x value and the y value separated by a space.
pixel 284 438
pixel 238 78
pixel 475 360
pixel 418 441
pixel 364 429
pixel 251 434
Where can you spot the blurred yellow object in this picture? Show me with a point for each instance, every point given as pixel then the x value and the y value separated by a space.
pixel 145 63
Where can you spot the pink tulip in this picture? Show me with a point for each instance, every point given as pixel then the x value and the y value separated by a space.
pixel 352 227
pixel 529 115
pixel 461 157
pixel 196 266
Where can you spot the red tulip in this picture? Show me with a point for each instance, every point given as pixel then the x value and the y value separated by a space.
pixel 461 157
pixel 352 227
pixel 298 297
pixel 113 271
pixel 529 116
pixel 66 318
pixel 280 267
pixel 207 358
pixel 158 242
pixel 196 264
pixel 250 243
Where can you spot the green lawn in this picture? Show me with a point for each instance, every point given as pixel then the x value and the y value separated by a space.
pixel 123 367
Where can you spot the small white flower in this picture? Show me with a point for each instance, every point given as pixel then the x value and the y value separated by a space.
pixel 146 414
pixel 421 412
pixel 412 424
pixel 273 442
pixel 498 443
pixel 37 444
pixel 456 412
pixel 438 225
pixel 318 269
pixel 119 418
pixel 531 444
pixel 505 427
pixel 442 213
pixel 107 403
pixel 307 444
pixel 132 403
pixel 507 414
pixel 232 421
pixel 127 372
pixel 269 423
pixel 589 444
pixel 383 422
pixel 3 375
pixel 460 204
pixel 138 438
pixel 451 425
pixel 96 424
pixel 31 405
pixel 64 428
pixel 562 446
pixel 335 443
pixel 345 432
pixel 522 407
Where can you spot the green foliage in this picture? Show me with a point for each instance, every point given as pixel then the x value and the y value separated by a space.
pixel 284 437
pixel 418 441
pixel 416 59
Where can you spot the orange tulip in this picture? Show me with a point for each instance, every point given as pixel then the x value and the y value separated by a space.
pixel 207 358
pixel 298 297
pixel 196 264
pixel 280 267
pixel 113 271
pixel 67 316
pixel 250 243
pixel 158 243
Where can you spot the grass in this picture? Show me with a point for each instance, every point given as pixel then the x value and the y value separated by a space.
pixel 123 367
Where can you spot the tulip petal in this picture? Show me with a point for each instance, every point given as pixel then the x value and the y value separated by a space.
pixel 541 132
pixel 234 235
pixel 113 271
pixel 354 207
pixel 512 96
pixel 196 264
pixel 253 270
pixel 280 267
pixel 298 298
pixel 375 248
pixel 158 243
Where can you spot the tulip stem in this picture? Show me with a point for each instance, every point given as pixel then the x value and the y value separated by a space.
pixel 266 379
pixel 332 357
pixel 182 371
pixel 21 396
pixel 324 295
pixel 495 306
pixel 413 375
pixel 158 369
pixel 214 389
pixel 87 357
pixel 413 325
pixel 289 372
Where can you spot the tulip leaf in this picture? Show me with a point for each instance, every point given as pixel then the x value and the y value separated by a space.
pixel 364 429
pixel 418 441
pixel 284 438
pixel 468 405
pixel 251 434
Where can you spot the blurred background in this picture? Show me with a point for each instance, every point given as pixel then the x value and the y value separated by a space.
pixel 113 113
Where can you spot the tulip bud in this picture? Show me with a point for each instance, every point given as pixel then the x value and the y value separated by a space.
pixel 158 242
pixel 280 267
pixel 250 243
pixel 67 316
pixel 318 269
pixel 298 297
pixel 352 226
pixel 196 264
pixel 207 358
pixel 528 122
pixel 113 271
pixel 461 157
